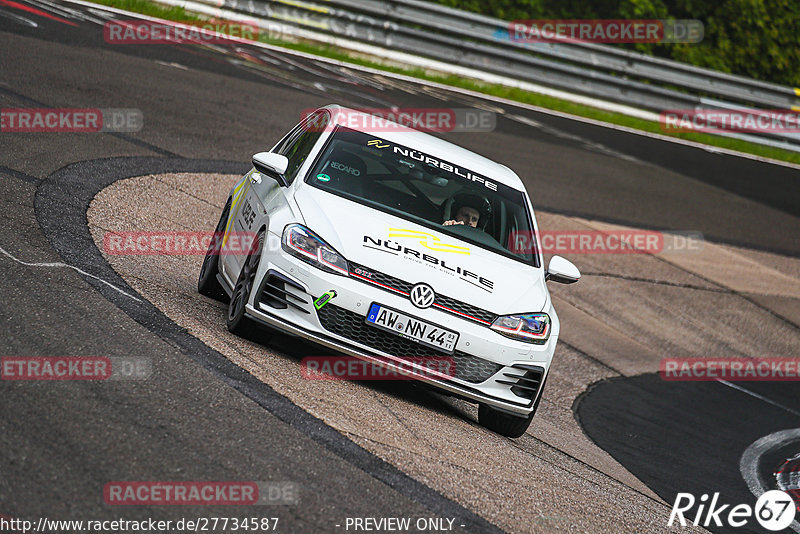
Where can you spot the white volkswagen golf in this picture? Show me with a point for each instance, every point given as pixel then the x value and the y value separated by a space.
pixel 394 247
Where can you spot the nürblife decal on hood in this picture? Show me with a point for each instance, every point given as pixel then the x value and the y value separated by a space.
pixel 428 240
pixel 448 266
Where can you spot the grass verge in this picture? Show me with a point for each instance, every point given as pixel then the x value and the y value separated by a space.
pixel 179 14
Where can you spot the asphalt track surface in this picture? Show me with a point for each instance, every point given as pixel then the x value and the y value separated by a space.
pixel 204 415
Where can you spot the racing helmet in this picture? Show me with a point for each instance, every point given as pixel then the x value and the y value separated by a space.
pixel 471 200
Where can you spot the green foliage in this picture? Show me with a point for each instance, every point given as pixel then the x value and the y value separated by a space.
pixel 755 38
pixel 146 7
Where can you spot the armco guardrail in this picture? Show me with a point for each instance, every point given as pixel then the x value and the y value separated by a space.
pixel 479 42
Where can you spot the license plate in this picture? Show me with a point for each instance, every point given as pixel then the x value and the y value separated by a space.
pixel 412 328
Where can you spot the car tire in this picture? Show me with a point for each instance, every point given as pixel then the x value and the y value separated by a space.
pixel 504 424
pixel 510 426
pixel 207 283
pixel 236 320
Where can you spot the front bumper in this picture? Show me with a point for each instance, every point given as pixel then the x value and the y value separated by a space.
pixel 489 368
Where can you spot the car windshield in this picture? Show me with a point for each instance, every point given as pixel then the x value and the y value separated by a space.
pixel 426 190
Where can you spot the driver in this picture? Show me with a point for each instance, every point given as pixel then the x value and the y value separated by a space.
pixel 469 210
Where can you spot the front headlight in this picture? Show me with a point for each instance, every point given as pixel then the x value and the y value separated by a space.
pixel 531 327
pixel 304 244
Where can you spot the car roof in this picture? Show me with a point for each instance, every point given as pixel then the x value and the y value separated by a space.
pixel 433 146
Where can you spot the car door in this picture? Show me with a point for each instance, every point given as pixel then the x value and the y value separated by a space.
pixel 246 213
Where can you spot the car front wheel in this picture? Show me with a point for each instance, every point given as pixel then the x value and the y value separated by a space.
pixel 504 424
pixel 237 322
pixel 508 425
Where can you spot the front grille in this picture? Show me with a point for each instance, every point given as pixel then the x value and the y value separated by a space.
pixel 446 304
pixel 473 312
pixel 352 326
pixel 385 279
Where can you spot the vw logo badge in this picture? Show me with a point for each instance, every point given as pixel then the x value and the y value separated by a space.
pixel 422 296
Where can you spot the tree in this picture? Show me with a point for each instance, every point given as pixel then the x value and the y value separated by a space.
pixel 755 38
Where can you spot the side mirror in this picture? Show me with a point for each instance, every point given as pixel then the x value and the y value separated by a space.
pixel 271 164
pixel 562 271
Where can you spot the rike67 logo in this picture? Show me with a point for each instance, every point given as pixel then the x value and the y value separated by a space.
pixel 774 510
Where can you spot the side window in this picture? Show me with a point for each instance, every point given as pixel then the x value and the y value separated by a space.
pixel 287 139
pixel 298 146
